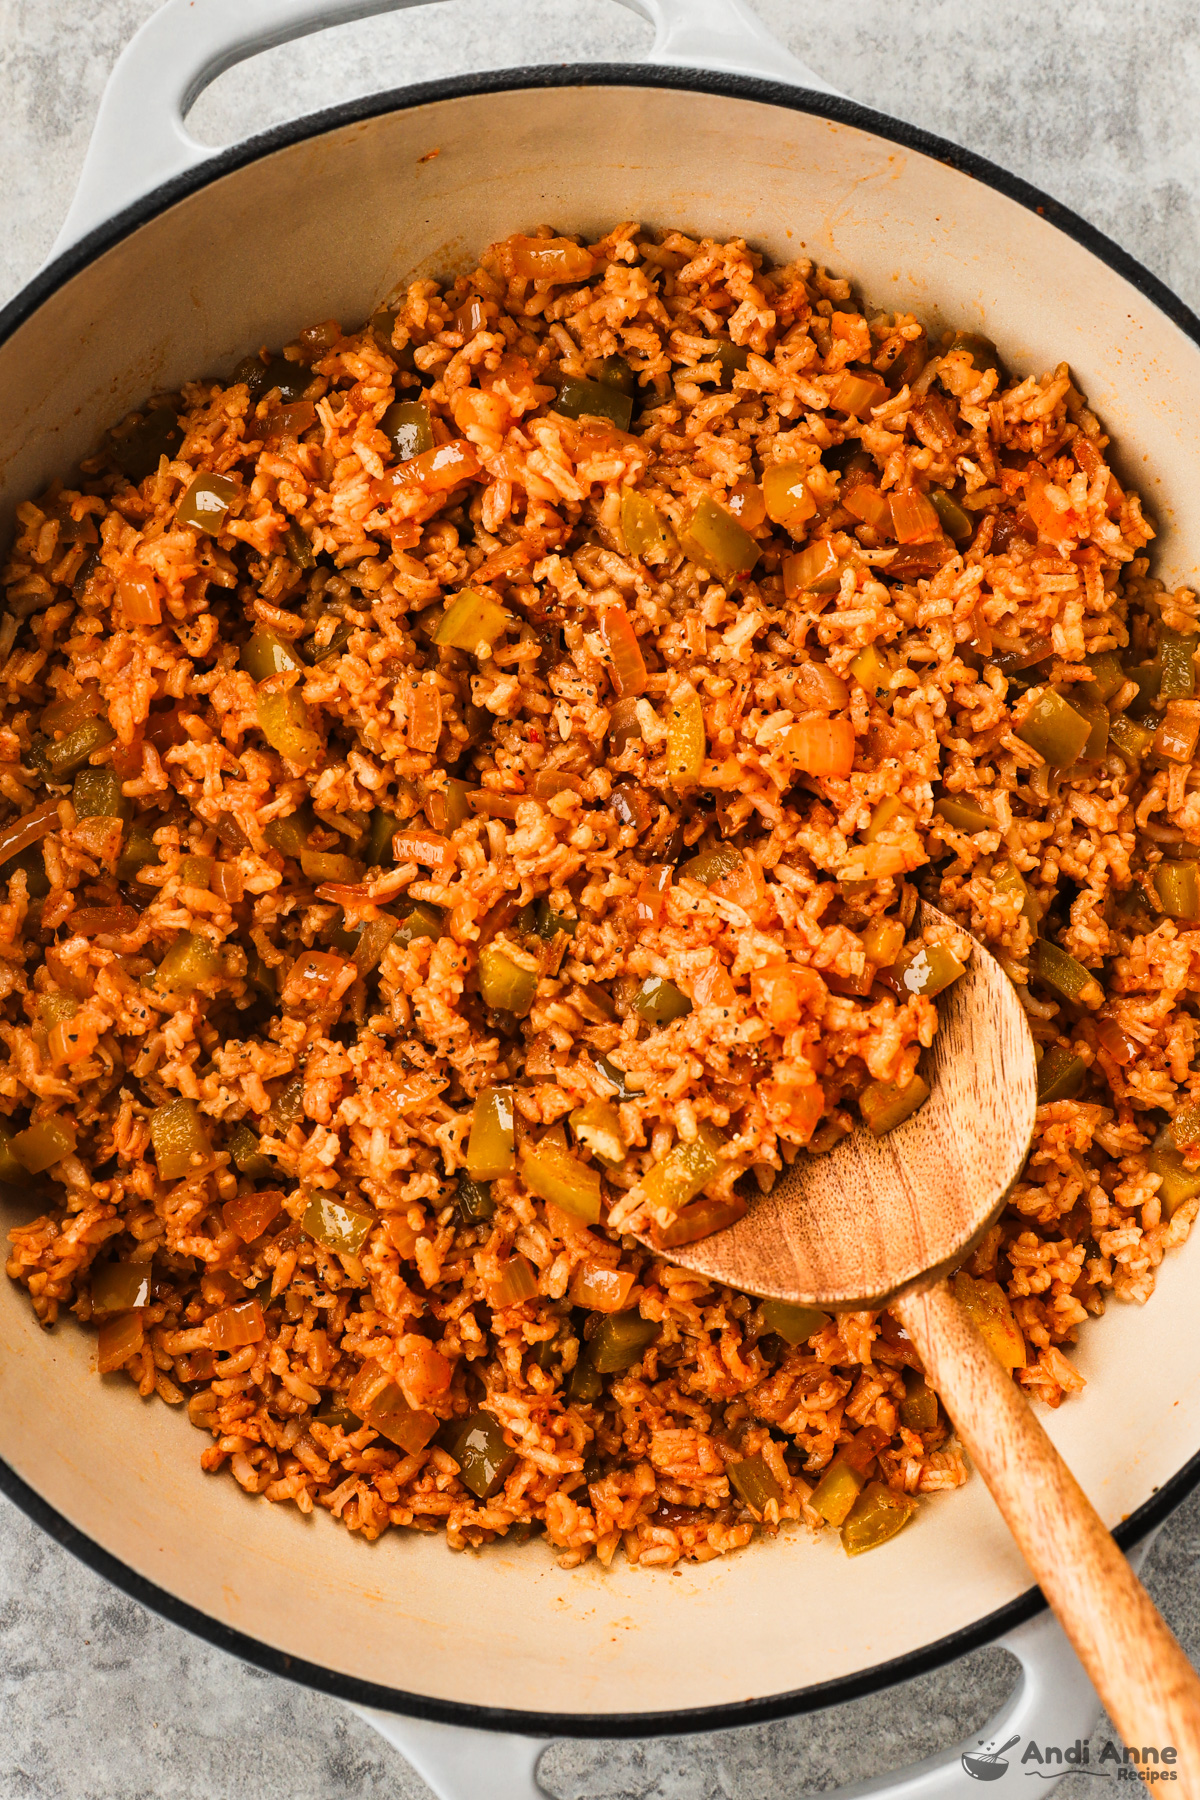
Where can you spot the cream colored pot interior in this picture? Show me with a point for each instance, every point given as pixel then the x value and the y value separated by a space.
pixel 331 226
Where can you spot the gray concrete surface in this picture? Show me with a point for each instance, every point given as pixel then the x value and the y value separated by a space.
pixel 1095 102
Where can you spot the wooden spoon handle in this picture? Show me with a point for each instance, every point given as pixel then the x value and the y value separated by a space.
pixel 1144 1679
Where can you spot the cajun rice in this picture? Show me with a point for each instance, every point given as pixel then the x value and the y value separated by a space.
pixel 469 779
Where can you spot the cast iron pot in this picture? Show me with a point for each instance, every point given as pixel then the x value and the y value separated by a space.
pixel 172 263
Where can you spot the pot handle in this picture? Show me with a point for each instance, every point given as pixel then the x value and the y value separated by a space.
pixel 140 141
pixel 1052 1703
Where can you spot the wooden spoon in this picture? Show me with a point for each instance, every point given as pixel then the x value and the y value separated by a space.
pixel 881 1221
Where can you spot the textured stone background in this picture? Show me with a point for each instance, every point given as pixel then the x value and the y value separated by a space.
pixel 1094 102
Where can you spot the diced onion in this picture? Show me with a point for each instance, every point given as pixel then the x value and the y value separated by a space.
pixel 914 517
pixel 516 1281
pixel 30 828
pixel 627 666
pixel 237 1325
pixel 120 1338
pixel 601 1289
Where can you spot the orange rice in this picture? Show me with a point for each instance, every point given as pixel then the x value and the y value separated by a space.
pixel 937 543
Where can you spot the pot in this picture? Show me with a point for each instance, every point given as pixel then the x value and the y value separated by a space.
pixel 172 262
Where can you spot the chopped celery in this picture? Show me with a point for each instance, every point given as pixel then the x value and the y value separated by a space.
pixel 754 1483
pixel 1177 884
pixel 964 814
pixel 407 428
pixel 1061 971
pixel 517 1281
pixel 884 1105
pixel 206 502
pixel 987 1306
pixel 659 1001
pixel 1054 728
pixel 1060 1075
pixel 478 1447
pixel 73 750
pixel 422 922
pixel 878 1514
pixel 470 620
pixel 245 1154
pixel 266 654
pixel 1108 677
pixel 1177 1182
pixel 189 963
pixel 919 1407
pixel 1177 655
pixel 955 522
pixel 178 1136
pixel 814 570
pixel 236 1325
pixel 120 1286
pixel 715 540
pixel 96 794
pixel 684 1170
pixel 643 526
pixel 836 1492
pixel 505 985
pixel 794 1324
pixel 926 969
pixel 554 1174
pixel 620 1341
pixel 597 1126
pixel 475 1201
pixel 284 721
pixel 491 1145
pixel 578 398
pixel 336 1226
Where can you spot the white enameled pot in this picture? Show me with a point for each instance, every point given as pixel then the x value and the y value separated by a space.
pixel 173 260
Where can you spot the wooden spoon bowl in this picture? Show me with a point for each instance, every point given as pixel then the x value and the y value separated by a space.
pixel 854 1227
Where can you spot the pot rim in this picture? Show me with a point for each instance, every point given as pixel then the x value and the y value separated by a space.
pixel 41 287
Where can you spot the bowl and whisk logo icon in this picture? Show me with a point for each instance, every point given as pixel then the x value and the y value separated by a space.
pixel 988 1765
